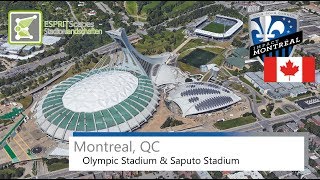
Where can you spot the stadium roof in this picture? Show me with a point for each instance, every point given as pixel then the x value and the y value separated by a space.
pixel 199 97
pixel 236 61
pixel 241 52
pixel 106 106
pixel 164 74
pixel 50 40
pixel 100 91
pixel 227 34
pixel 10 47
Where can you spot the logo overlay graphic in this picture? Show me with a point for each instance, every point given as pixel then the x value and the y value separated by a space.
pixel 25 27
pixel 289 69
pixel 273 33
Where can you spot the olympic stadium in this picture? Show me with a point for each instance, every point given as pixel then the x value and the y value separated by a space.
pixel 230 26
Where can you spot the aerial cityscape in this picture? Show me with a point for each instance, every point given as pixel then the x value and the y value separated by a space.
pixel 147 66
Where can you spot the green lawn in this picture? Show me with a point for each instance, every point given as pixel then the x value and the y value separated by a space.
pixel 239 87
pixel 214 50
pixel 279 111
pixel 57 166
pixel 189 68
pixel 218 60
pixel 195 43
pixel 166 41
pixel 258 99
pixel 267 112
pixel 216 27
pixel 132 7
pixel 222 125
pixel 223 75
pixel 198 57
pixel 151 5
pixel 206 77
pixel 183 6
pixel 249 83
pixel 4 31
pixel 26 101
pixel 301 96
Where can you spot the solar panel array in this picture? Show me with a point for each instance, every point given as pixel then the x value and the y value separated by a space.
pixel 214 86
pixel 198 97
pixel 213 102
pixel 225 90
pixel 193 99
pixel 199 91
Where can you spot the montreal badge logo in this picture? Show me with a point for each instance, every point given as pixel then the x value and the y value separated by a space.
pixel 273 34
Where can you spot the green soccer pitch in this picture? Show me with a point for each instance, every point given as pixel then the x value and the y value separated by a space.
pixel 216 27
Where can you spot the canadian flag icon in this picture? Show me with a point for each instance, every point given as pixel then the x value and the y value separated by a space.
pixel 289 69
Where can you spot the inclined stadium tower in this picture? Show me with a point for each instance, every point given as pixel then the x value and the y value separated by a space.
pixel 115 98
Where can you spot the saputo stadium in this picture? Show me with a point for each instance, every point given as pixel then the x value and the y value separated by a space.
pixel 122 95
pixel 223 27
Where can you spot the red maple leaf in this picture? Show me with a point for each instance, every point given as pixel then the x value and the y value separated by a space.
pixel 289 69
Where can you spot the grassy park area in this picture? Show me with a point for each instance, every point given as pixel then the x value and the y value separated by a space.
pixel 267 112
pixel 222 125
pixel 165 41
pixel 195 43
pixel 131 7
pixel 279 111
pixel 55 164
pixel 198 57
pixel 300 96
pixel 26 101
pixel 240 88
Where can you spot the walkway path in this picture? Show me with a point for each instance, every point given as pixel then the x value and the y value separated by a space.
pixel 181 45
pixel 70 7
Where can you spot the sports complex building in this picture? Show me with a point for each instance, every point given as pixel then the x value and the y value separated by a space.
pixel 223 27
pixel 198 97
pixel 123 95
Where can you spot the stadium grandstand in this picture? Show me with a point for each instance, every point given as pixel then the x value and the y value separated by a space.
pixel 223 27
pixel 199 97
pixel 103 99
pixel 197 23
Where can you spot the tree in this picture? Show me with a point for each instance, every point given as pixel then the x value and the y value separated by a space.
pixel 41 80
pixel 216 175
pixel 237 43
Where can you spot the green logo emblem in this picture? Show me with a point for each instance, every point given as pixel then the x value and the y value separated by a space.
pixel 25 27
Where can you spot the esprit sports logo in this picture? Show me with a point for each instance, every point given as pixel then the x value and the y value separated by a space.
pixel 25 27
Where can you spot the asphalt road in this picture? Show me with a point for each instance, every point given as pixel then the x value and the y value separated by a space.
pixel 30 66
pixel 253 103
pixel 259 125
pixel 71 10
pixel 60 173
pixel 33 65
